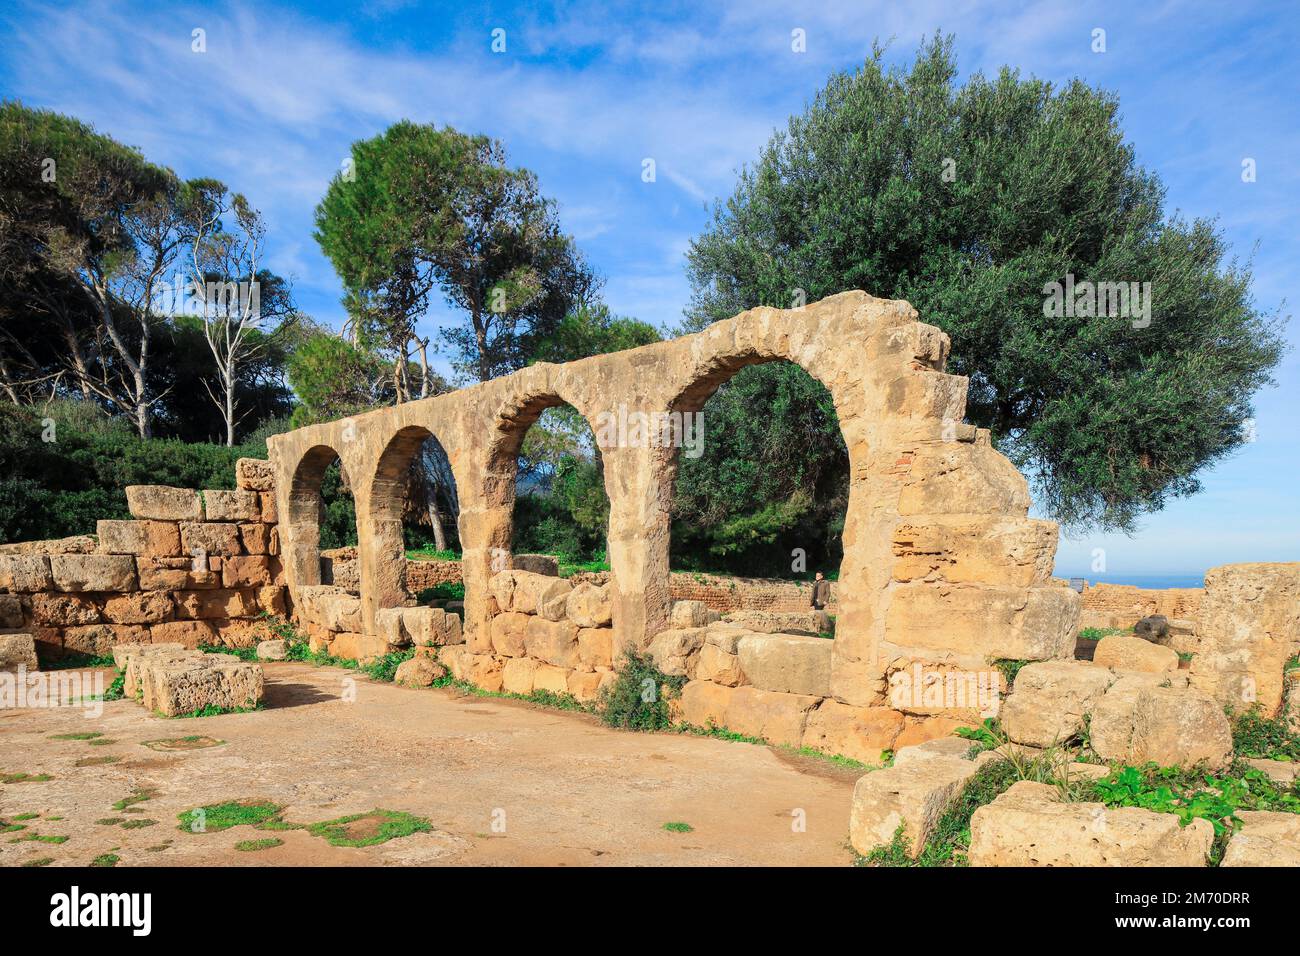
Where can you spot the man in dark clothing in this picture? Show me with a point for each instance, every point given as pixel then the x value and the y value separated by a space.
pixel 821 593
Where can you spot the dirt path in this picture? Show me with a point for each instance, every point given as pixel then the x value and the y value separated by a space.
pixel 503 782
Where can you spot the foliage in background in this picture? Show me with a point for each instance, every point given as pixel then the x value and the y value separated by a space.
pixel 967 201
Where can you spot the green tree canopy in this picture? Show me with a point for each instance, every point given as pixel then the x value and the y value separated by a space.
pixel 968 201
pixel 419 208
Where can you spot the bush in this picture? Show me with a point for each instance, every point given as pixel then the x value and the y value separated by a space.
pixel 638 700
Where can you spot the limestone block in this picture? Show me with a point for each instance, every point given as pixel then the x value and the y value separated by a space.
pixel 151 538
pixel 588 605
pixel 155 576
pixel 17 650
pixel 595 647
pixel 946 747
pixel 725 637
pixel 973 477
pixel 270 514
pixel 1050 699
pixel 788 663
pixel 271 600
pixel 860 733
pixel 236 505
pixel 256 537
pixel 1028 826
pixel 775 717
pixel 189 634
pixel 431 626
pixel 60 610
pixel 1248 627
pixel 483 670
pixel 975 549
pixel 554 609
pixel 93 572
pixel 388 621
pixel 98 639
pixel 209 537
pixel 1161 724
pixel 509 631
pixel 983 622
pixel 274 650
pixel 1124 652
pixel 585 685
pixel 809 622
pixel 222 603
pixel 525 591
pixel 11 611
pixel 717 665
pixel 544 564
pixel 673 651
pixel 1266 838
pixel 914 796
pixel 330 607
pixel 139 607
pixel 555 642
pixel 181 687
pixel 692 614
pixel 550 678
pixel 25 573
pixel 254 474
pixel 418 672
pixel 1281 772
pixel 518 675
pixel 161 503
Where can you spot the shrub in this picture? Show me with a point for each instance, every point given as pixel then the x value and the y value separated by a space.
pixel 638 699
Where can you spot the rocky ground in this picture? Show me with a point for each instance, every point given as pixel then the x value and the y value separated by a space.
pixel 501 782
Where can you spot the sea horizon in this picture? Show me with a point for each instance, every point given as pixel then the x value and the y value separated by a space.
pixel 1150 581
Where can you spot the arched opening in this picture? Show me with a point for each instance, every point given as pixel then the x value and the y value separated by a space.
pixel 561 509
pixel 414 515
pixel 323 518
pixel 759 497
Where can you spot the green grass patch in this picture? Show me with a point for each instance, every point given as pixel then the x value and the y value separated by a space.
pixel 212 710
pixel 87 735
pixel 433 554
pixel 247 654
pixel 138 824
pixel 139 796
pixel 189 742
pixel 74 660
pixel 1097 633
pixel 233 813
pixel 369 829
pixel 39 861
pixel 27 816
pixel 39 838
pixel 97 761
pixel 679 827
pixel 252 846
pixel 114 691
pixel 106 859
pixel 109 821
pixel 24 777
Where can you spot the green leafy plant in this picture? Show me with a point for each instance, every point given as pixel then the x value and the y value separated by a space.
pixel 369 829
pixel 677 827
pixel 638 698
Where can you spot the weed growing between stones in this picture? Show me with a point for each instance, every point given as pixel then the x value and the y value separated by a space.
pixel 212 710
pixel 106 859
pixel 1256 735
pixel 114 691
pixel 722 733
pixel 246 654
pixel 39 838
pixel 385 668
pixel 369 829
pixel 24 777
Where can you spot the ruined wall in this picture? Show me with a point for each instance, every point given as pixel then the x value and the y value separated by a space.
pixel 190 567
pixel 941 563
pixel 1123 605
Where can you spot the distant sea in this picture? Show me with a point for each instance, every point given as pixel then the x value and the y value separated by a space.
pixel 1153 581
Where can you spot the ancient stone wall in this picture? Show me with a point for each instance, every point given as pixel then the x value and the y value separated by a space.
pixel 191 567
pixel 941 563
pixel 1123 605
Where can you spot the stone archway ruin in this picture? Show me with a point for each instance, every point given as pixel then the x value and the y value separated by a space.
pixel 941 566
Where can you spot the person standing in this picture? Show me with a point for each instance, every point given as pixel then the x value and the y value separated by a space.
pixel 821 592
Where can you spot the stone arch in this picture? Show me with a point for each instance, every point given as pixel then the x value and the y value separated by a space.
pixel 383 560
pixel 300 523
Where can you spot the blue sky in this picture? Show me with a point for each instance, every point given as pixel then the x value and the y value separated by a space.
pixel 586 91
